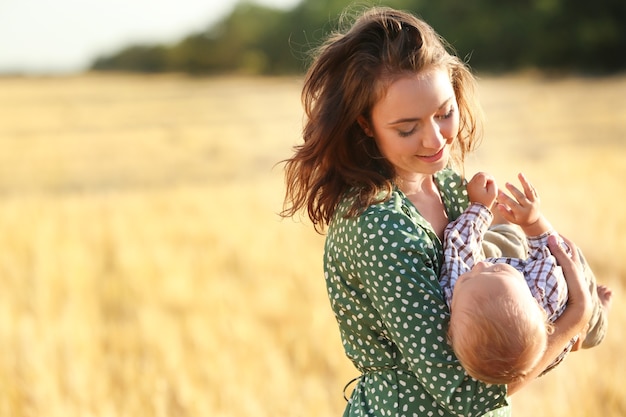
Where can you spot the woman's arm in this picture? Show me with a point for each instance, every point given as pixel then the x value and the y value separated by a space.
pixel 576 315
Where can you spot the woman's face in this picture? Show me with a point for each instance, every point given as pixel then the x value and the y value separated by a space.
pixel 415 123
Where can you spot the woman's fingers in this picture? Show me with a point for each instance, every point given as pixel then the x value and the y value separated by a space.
pixel 565 252
pixel 569 261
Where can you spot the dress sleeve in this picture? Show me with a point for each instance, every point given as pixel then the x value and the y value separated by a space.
pixel 398 270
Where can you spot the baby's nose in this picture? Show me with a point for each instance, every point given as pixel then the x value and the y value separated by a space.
pixel 482 265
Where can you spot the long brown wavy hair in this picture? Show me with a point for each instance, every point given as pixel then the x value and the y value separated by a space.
pixel 350 72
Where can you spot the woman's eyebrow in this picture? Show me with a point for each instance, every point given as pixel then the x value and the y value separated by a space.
pixel 417 119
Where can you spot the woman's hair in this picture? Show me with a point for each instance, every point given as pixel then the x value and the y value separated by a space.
pixel 500 340
pixel 349 74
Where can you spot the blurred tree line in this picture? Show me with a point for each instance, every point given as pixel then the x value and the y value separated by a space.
pixel 499 35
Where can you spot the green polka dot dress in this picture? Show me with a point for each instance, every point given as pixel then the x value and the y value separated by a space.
pixel 381 272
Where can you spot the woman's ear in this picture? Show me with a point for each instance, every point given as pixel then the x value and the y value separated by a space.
pixel 362 121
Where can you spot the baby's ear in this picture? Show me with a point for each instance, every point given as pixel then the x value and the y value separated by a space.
pixel 365 125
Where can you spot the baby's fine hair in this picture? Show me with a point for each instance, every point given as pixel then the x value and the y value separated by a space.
pixel 349 74
pixel 499 341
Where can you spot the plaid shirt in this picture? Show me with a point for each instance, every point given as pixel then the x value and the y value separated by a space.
pixel 463 248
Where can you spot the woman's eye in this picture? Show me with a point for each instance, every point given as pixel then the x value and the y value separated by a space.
pixel 448 114
pixel 407 133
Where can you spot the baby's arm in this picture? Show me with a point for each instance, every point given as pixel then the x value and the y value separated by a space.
pixel 523 208
pixel 482 189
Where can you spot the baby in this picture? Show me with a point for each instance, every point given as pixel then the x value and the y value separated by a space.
pixel 502 309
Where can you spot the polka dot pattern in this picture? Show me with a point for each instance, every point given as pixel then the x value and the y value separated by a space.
pixel 381 272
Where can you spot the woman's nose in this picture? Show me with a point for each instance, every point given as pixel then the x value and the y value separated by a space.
pixel 432 139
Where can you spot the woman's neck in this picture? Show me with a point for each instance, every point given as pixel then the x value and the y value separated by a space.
pixel 422 191
pixel 415 184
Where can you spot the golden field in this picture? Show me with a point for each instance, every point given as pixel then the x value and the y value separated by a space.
pixel 144 270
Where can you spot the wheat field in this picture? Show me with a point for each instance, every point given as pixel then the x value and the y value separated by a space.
pixel 144 270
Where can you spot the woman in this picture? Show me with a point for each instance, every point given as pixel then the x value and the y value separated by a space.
pixel 389 111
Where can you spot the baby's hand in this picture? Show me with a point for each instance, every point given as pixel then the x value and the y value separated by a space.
pixel 482 189
pixel 523 208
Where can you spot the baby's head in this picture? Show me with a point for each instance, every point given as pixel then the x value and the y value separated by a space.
pixel 497 330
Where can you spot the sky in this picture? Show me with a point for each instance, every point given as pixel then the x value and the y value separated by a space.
pixel 65 36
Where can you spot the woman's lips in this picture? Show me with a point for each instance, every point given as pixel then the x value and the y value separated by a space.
pixel 432 158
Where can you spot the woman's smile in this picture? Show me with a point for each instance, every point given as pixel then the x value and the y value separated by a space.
pixel 432 158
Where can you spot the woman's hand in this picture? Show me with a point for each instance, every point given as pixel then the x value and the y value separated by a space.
pixel 579 298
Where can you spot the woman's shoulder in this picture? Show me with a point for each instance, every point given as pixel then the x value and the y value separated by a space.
pixel 450 179
pixel 388 204
pixel 391 228
pixel 394 212
pixel 452 187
